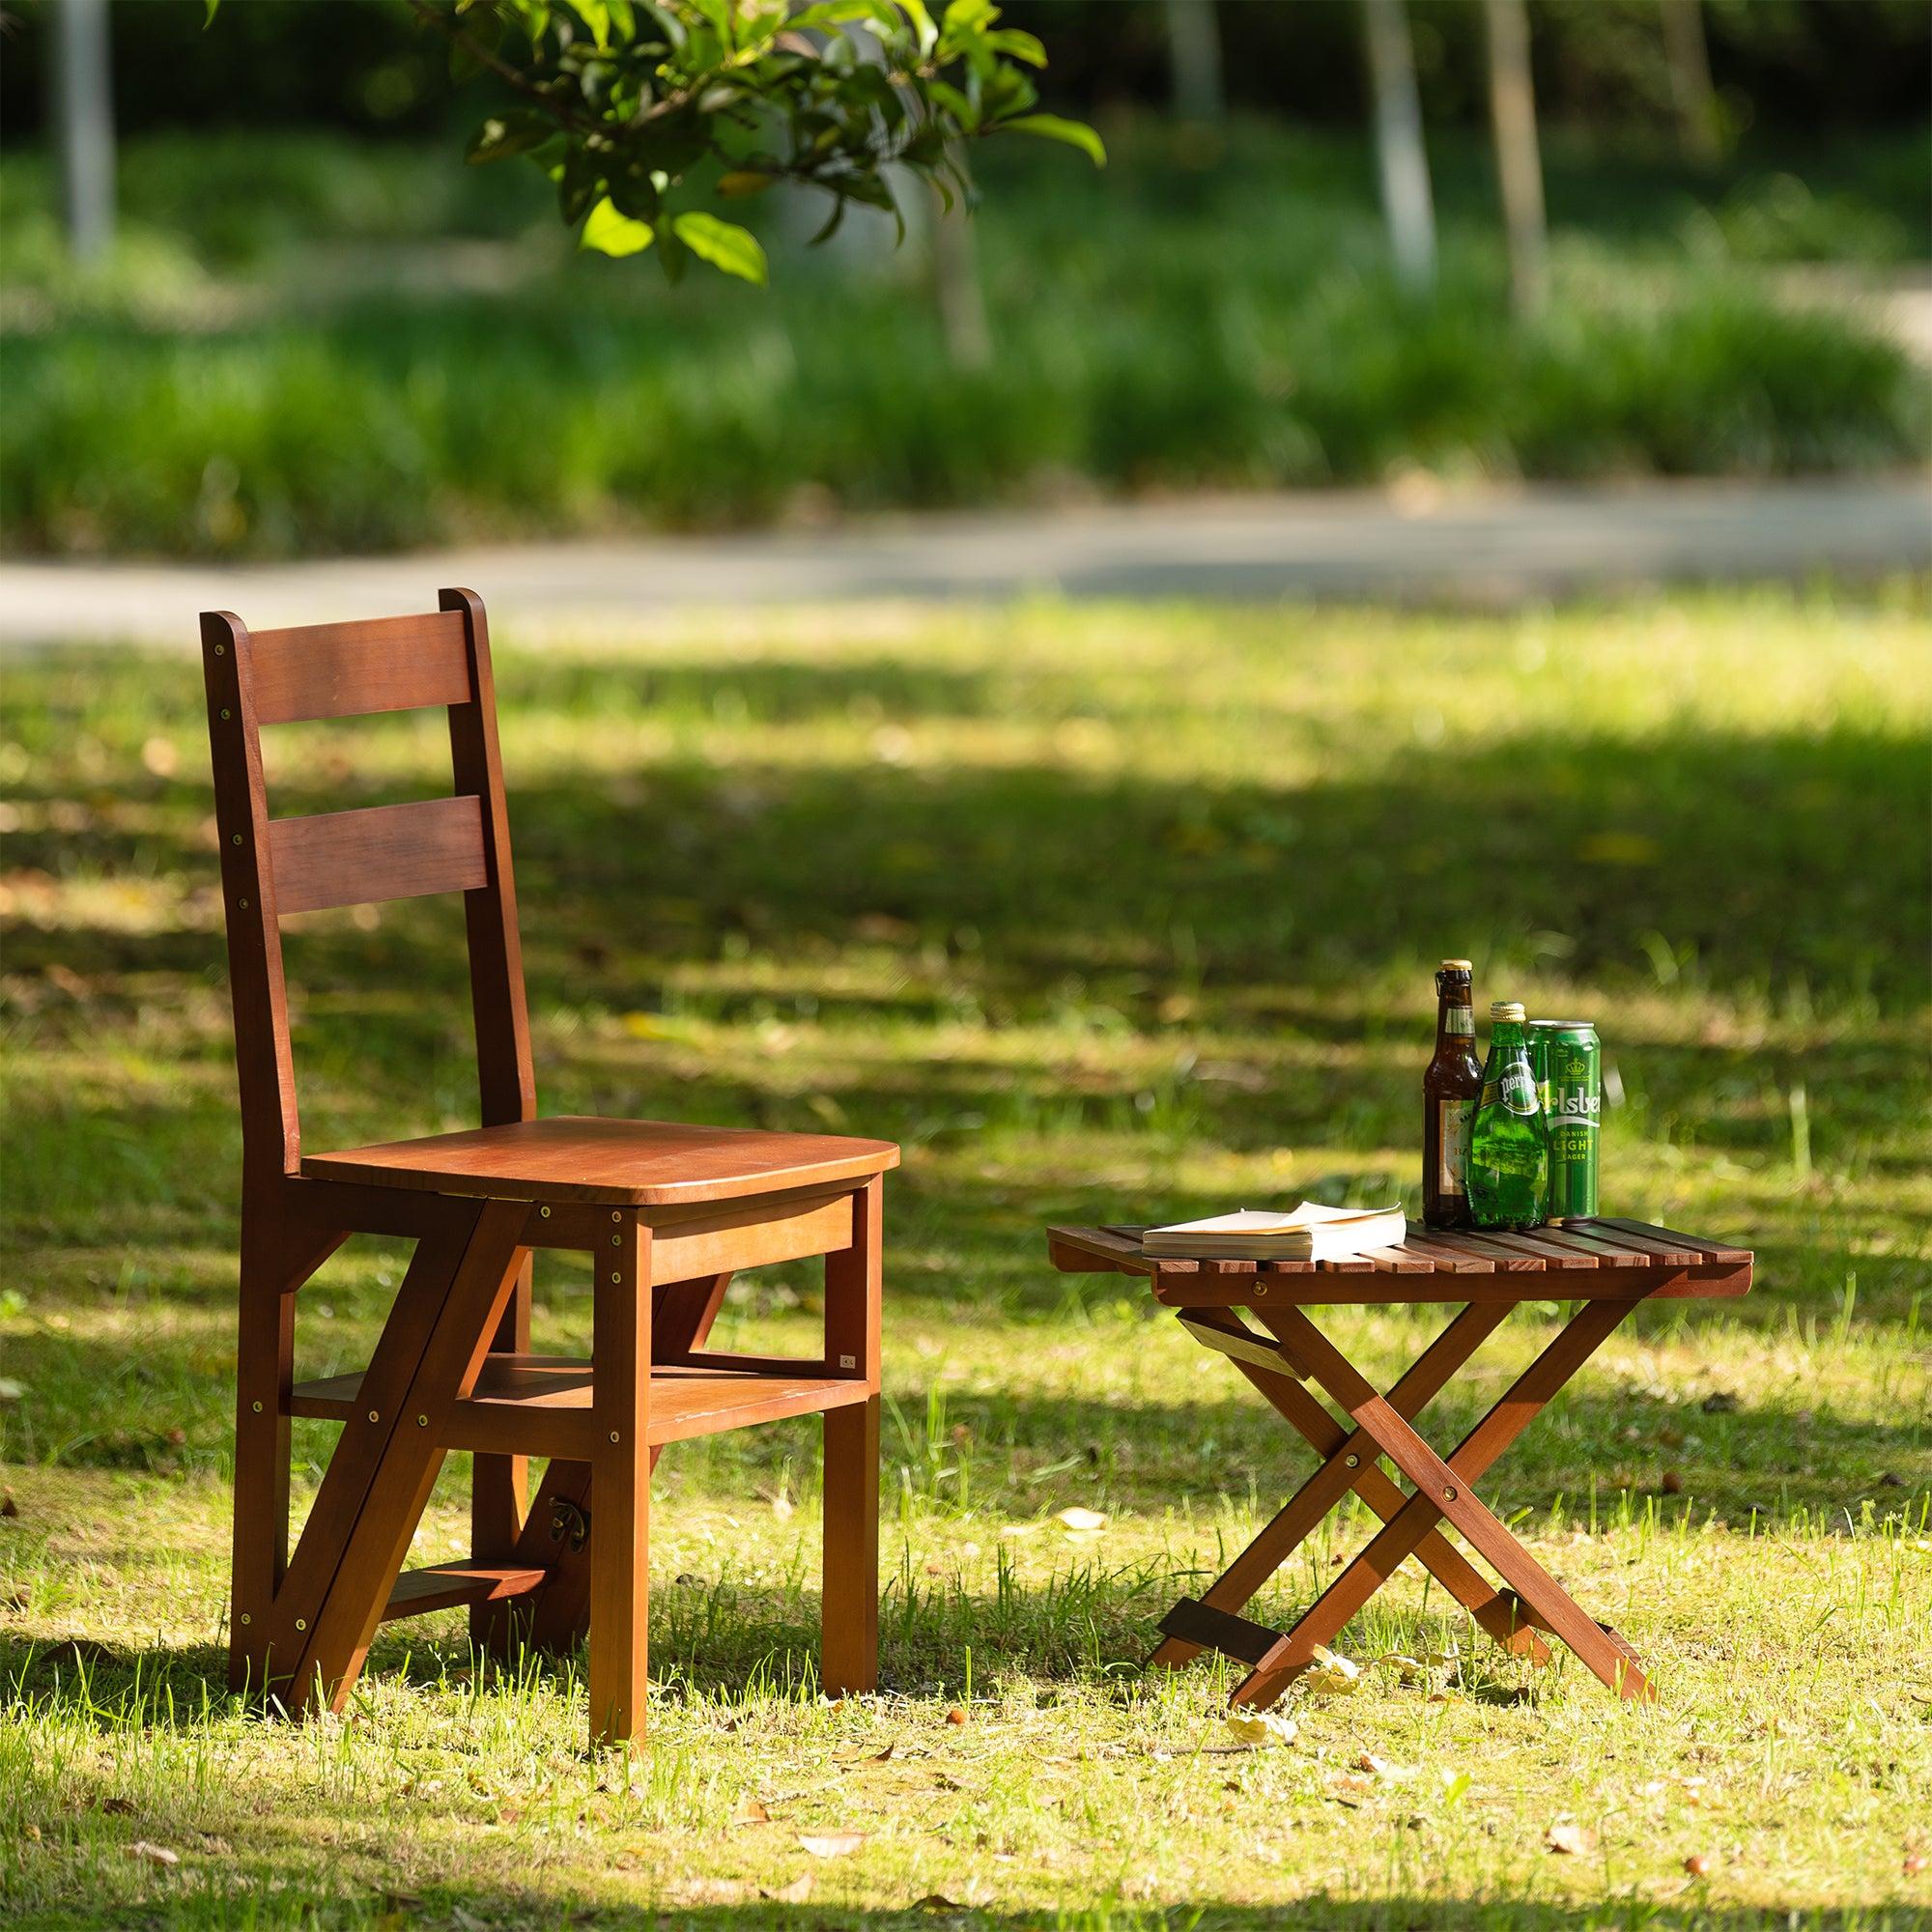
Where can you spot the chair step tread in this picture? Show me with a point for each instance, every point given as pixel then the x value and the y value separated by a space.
pixel 542 1404
pixel 443 1586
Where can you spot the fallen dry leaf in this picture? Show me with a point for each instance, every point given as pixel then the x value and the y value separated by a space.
pixel 1567 1837
pixel 156 1855
pixel 750 1812
pixel 1698 1865
pixel 832 1844
pixel 1332 1675
pixel 1078 1519
pixel 955 1716
pixel 1381 1768
pixel 794 1894
pixel 1915 1863
pixel 120 1807
pixel 1263 1727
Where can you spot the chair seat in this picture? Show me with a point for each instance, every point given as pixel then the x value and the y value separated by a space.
pixel 634 1163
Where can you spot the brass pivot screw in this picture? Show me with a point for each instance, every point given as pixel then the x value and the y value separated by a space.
pixel 221 650
pixel 543 1214
pixel 246 1619
pixel 243 903
pixel 375 1415
pixel 226 713
pixel 256 1407
pixel 235 838
pixel 1449 1494
pixel 302 1623
pixel 614 1215
pixel 422 1422
pixel 616 1277
pixel 613 1436
pixel 616 1240
pixel 1261 1288
pixel 1353 1461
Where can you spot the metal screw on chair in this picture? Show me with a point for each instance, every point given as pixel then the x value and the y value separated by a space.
pixel 256 1407
pixel 1353 1461
pixel 616 1240
pixel 375 1415
pixel 613 1436
pixel 235 838
pixel 1449 1494
pixel 226 713
pixel 616 1277
pixel 243 903
pixel 543 1214
pixel 221 650
pixel 614 1215
pixel 302 1623
pixel 422 1422
pixel 1261 1288
pixel 247 1618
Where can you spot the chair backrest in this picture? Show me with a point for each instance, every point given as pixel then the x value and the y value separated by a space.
pixel 273 866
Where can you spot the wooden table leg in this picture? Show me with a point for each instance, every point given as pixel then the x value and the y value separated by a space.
pixel 1351 1464
pixel 1445 1489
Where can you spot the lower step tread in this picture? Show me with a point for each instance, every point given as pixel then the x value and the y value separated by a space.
pixel 442 1586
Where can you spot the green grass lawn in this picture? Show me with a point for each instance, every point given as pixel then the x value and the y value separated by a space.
pixel 1103 913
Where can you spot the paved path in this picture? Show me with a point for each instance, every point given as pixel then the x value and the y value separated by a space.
pixel 1497 546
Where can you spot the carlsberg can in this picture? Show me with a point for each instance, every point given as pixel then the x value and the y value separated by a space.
pixel 1567 1058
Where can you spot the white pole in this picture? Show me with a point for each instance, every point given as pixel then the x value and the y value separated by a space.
pixel 83 104
pixel 1399 153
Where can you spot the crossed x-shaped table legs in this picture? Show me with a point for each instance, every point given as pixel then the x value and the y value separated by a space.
pixel 1518 1616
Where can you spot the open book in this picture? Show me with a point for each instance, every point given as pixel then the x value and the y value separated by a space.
pixel 1312 1232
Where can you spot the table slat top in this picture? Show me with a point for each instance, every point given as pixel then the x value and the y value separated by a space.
pixel 1602 1256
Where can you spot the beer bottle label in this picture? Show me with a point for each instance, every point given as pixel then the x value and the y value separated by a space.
pixel 1459 1022
pixel 1452 1143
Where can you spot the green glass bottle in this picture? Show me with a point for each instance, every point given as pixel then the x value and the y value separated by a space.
pixel 1509 1137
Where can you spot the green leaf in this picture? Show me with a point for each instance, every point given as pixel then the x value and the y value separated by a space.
pixel 208 18
pixel 723 245
pixel 610 233
pixel 1053 127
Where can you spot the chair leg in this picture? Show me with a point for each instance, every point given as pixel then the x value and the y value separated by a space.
pixel 620 1485
pixel 849 1645
pixel 274 1266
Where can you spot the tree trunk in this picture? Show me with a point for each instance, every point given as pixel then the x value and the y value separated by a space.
pixel 956 285
pixel 1194 47
pixel 1401 158
pixel 1519 163
pixel 83 118
pixel 1696 100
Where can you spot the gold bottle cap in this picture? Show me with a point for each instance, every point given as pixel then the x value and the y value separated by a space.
pixel 1506 1010
pixel 1457 966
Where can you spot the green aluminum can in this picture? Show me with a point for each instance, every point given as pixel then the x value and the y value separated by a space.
pixel 1567 1061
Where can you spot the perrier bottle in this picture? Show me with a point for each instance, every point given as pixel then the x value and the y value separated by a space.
pixel 1509 1137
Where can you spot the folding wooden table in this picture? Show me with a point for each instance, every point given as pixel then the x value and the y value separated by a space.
pixel 1609 1267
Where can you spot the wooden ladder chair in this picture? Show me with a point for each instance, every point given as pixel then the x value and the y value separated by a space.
pixel 667 1213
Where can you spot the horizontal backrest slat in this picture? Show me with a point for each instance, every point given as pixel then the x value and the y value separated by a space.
pixel 344 671
pixel 379 852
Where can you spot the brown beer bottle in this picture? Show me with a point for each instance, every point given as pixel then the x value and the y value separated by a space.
pixel 1451 1086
